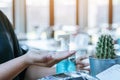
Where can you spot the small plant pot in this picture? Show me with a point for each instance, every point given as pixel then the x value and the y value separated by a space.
pixel 99 65
pixel 118 60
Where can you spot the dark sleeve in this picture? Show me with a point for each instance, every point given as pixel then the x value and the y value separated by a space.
pixel 9 46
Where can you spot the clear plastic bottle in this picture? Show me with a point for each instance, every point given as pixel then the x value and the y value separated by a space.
pixel 66 65
pixel 62 66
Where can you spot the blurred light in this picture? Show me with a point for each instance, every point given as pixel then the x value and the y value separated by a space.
pixel 65 2
pixel 5 1
pixel 3 5
pixel 37 2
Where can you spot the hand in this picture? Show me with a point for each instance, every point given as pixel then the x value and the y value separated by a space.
pixel 46 58
pixel 82 63
pixel 58 56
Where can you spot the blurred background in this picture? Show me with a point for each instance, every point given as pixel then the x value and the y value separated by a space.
pixel 42 22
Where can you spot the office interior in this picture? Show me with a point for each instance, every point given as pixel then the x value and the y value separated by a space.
pixel 40 24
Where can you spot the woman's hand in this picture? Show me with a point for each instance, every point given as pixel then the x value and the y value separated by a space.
pixel 82 63
pixel 46 58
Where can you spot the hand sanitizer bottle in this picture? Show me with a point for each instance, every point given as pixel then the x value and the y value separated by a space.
pixel 62 66
pixel 65 65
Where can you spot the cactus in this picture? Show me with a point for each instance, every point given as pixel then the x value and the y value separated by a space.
pixel 105 47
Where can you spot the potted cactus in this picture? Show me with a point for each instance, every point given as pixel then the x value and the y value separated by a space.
pixel 104 56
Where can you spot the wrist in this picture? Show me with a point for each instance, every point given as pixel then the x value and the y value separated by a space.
pixel 27 60
pixel 30 57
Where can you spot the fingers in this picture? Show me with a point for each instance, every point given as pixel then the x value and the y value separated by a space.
pixel 83 67
pixel 82 58
pixel 63 54
pixel 68 54
pixel 57 57
pixel 82 63
pixel 72 52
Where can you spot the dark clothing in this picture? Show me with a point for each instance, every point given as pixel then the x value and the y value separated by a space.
pixel 9 46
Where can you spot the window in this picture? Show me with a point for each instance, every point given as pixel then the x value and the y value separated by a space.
pixel 65 12
pixel 98 13
pixel 116 11
pixel 37 14
pixel 6 7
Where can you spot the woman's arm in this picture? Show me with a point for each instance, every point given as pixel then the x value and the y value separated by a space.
pixel 13 67
pixel 36 72
pixel 9 70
